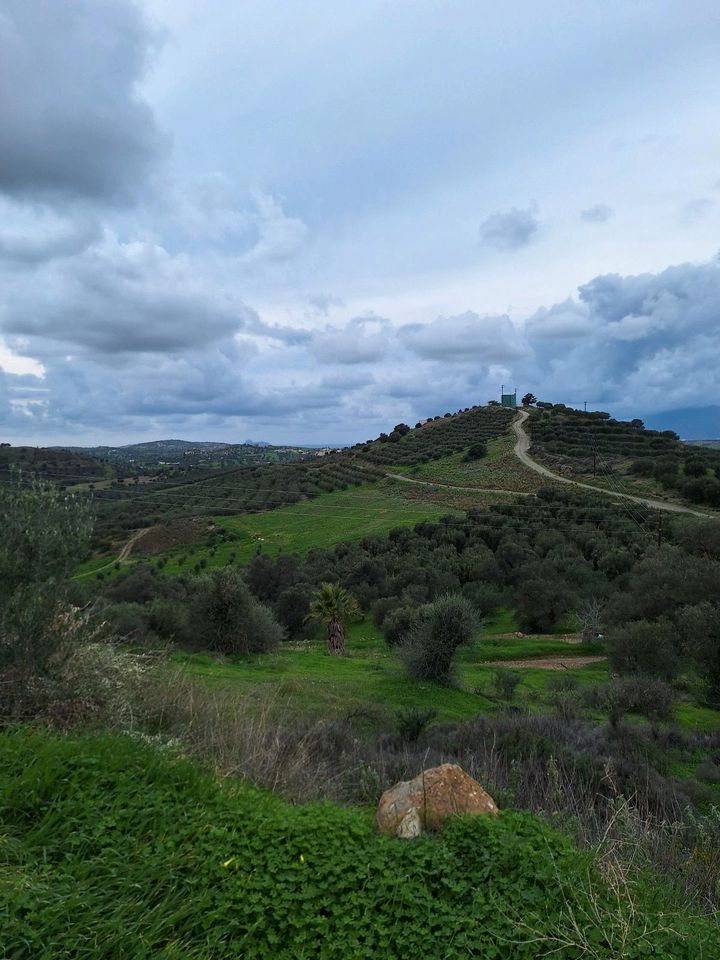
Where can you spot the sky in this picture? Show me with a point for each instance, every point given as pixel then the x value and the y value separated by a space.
pixel 308 221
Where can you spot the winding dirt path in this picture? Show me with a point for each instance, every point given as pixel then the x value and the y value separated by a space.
pixel 125 552
pixel 522 446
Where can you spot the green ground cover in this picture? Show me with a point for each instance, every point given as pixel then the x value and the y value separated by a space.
pixel 301 676
pixel 499 469
pixel 371 676
pixel 112 848
pixel 324 521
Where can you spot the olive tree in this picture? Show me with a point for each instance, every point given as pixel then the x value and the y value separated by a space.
pixel 440 628
pixel 44 534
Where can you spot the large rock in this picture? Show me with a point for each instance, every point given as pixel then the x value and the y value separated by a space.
pixel 412 806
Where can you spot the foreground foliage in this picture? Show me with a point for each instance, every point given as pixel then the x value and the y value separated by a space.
pixel 111 849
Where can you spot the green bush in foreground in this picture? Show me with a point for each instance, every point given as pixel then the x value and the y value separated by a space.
pixel 111 849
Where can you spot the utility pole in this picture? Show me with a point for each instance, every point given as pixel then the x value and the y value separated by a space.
pixel 594 464
pixel 660 529
pixel 585 402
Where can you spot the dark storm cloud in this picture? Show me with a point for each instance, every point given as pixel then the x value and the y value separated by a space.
pixel 649 341
pixel 72 121
pixel 510 230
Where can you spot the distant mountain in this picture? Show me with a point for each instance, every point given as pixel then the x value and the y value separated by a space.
pixel 691 423
pixel 257 443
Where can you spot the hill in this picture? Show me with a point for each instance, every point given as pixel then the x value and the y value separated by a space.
pixel 204 492
pixel 624 456
pixel 66 467
pixel 155 454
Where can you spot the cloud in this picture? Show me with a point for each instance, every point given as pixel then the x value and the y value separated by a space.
pixel 33 233
pixel 322 303
pixel 118 298
pixel 510 230
pixel 278 236
pixel 644 342
pixel 361 340
pixel 467 337
pixel 598 213
pixel 564 320
pixel 73 122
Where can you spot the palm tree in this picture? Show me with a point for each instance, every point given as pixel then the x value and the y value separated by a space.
pixel 332 607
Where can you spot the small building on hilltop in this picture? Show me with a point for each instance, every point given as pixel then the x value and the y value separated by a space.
pixel 508 399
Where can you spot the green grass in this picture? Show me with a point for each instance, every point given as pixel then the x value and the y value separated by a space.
pixel 323 522
pixel 371 676
pixel 113 849
pixel 499 469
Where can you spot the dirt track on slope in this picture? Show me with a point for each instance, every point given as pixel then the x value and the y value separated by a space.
pixel 522 447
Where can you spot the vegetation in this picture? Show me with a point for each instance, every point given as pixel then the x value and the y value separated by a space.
pixel 624 452
pixel 114 849
pixel 552 644
pixel 43 533
pixel 435 634
pixel 332 607
pixel 437 437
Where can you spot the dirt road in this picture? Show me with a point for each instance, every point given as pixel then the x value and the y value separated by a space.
pixel 123 555
pixel 546 663
pixel 522 446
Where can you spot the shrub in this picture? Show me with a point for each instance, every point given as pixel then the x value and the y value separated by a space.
pixel 440 629
pixel 506 682
pixel 476 452
pixel 398 624
pixel 642 646
pixel 226 617
pixel 412 721
pixel 291 608
pixel 651 697
pixel 44 532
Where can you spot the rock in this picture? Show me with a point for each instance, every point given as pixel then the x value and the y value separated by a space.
pixel 411 806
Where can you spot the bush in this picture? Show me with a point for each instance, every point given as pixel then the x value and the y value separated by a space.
pixel 647 647
pixel 476 452
pixel 412 721
pixel 291 609
pixel 44 532
pixel 651 697
pixel 227 618
pixel 129 621
pixel 440 629
pixel 506 682
pixel 398 624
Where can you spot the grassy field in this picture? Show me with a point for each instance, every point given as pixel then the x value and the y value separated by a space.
pixel 371 677
pixel 322 522
pixel 499 469
pixel 329 519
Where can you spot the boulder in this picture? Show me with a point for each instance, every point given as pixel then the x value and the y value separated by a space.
pixel 412 806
